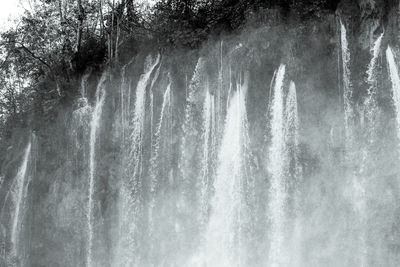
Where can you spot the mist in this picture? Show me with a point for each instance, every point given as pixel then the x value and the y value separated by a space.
pixel 276 144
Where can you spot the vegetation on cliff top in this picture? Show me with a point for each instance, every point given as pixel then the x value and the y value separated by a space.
pixel 45 54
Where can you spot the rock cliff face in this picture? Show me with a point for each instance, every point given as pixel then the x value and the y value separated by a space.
pixel 169 160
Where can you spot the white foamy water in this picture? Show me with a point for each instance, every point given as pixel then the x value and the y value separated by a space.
pixel 94 127
pixel 139 115
pixel 208 136
pixel 276 166
pixel 347 87
pixel 395 79
pixel 155 156
pixel 370 102
pixel 223 234
pixel 18 198
pixel 130 196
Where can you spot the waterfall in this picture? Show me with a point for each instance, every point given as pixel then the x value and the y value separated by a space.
pixel 360 180
pixel 347 88
pixel 189 128
pixel 292 120
pixel 152 102
pixel 223 246
pixel 242 151
pixel 125 86
pixel 161 213
pixel 190 162
pixel 165 104
pixel 208 135
pixel 138 119
pixel 370 102
pixel 395 79
pixel 154 161
pixel 19 193
pixel 94 127
pixel 371 78
pixel 130 196
pixel 277 161
pixel 285 197
pixel 292 141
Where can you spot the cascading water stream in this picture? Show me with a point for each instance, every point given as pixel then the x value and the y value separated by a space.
pixel 18 198
pixel 189 127
pixel 292 141
pixel 370 102
pixel 395 79
pixel 208 146
pixel 357 192
pixel 123 91
pixel 223 234
pixel 94 127
pixel 152 102
pixel 277 161
pixel 360 183
pixel 292 125
pixel 161 213
pixel 190 161
pixel 138 118
pixel 176 164
pixel 130 195
pixel 375 51
pixel 347 88
pixel 154 183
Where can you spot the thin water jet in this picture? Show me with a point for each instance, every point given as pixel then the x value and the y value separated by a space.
pixel 95 125
pixel 347 88
pixel 395 79
pixel 19 193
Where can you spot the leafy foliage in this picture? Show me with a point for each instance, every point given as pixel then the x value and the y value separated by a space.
pixel 52 45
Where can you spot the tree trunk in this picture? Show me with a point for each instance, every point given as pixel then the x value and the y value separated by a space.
pixel 101 18
pixel 81 17
pixel 61 15
pixel 112 30
pixel 129 10
pixel 117 39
